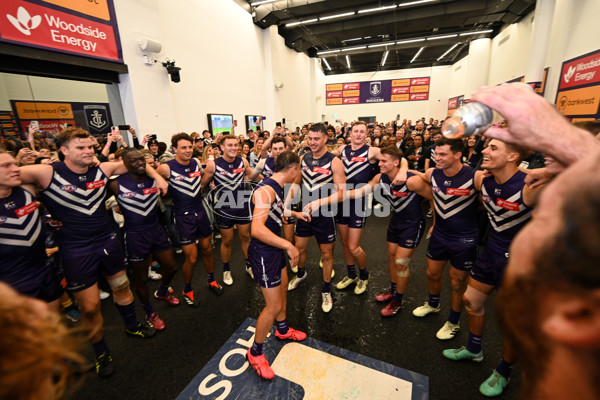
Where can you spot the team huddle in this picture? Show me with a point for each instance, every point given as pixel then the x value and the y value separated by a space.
pixel 320 194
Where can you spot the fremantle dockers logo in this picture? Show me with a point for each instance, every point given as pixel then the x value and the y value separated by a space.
pixel 96 116
pixel 375 88
pixel 2 220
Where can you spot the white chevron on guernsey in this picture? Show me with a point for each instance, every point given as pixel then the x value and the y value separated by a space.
pixel 185 185
pixel 25 242
pixel 144 206
pixel 33 224
pixel 405 201
pixel 89 201
pixel 500 221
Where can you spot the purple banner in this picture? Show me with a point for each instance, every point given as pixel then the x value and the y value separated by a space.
pixel 382 91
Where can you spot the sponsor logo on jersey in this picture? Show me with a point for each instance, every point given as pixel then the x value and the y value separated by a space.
pixel 497 191
pixel 398 193
pixel 507 205
pixel 486 198
pixel 458 192
pixel 68 188
pixel 195 174
pixel 140 185
pixel 3 220
pixel 447 183
pixel 95 185
pixel 179 178
pixel 435 189
pixel 238 170
pixel 26 210
pixel 10 204
pixel 150 190
pixel 82 178
pixel 128 195
pixel 320 170
pixel 358 159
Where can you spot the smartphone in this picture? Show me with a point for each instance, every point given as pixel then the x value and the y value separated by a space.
pixel 264 117
pixel 235 121
pixel 397 116
pixel 326 122
pixel 278 124
pixel 254 119
pixel 34 124
pixel 283 120
pixel 153 137
pixel 27 145
pixel 69 125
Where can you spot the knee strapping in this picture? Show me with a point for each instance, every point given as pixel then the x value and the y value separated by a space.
pixel 402 261
pixel 403 274
pixel 122 294
pixel 476 301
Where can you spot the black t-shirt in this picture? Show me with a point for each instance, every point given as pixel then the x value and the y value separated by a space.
pixel 249 143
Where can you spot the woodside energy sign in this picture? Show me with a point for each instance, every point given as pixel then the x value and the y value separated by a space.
pixel 85 28
pixel 578 94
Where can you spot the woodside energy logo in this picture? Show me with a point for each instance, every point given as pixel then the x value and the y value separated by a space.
pixel 41 26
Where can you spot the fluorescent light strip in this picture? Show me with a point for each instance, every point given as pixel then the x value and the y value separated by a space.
pixel 328 52
pixel 258 3
pixel 410 41
pixel 376 9
pixel 308 21
pixel 442 37
pixel 476 32
pixel 417 55
pixel 412 3
pixel 448 51
pixel 381 44
pixel 354 48
pixel 351 40
pixel 348 60
pixel 384 57
pixel 326 63
pixel 336 16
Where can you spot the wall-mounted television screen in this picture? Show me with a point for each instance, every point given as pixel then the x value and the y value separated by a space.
pixel 252 120
pixel 220 123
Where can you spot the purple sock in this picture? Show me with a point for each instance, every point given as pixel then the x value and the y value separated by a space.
pixel 148 308
pixel 364 274
pixel 211 277
pixel 474 343
pixel 398 297
pixel 326 287
pixel 100 347
pixel 163 291
pixel 434 300
pixel 128 314
pixel 454 316
pixel 256 349
pixel 301 272
pixel 226 266
pixel 504 368
pixel 351 271
pixel 187 287
pixel 282 326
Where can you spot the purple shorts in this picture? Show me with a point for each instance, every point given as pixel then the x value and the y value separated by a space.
pixel 44 286
pixel 191 226
pixel 322 228
pixel 266 263
pixel 228 217
pixel 489 267
pixel 82 266
pixel 352 213
pixel 405 233
pixel 141 244
pixel 461 252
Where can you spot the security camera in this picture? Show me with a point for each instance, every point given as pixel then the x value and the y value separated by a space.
pixel 172 70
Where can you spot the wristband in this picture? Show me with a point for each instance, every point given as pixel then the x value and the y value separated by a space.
pixel 107 145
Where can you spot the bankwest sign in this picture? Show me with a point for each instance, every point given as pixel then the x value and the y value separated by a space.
pixel 578 94
pixel 59 29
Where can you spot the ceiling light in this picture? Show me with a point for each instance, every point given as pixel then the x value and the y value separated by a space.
pixel 476 32
pixel 351 40
pixel 417 55
pixel 448 51
pixel 367 37
pixel 412 3
pixel 326 63
pixel 336 16
pixel 381 44
pixel 384 58
pixel 308 21
pixel 258 3
pixel 376 9
pixel 348 60
pixel 442 37
pixel 354 48
pixel 410 41
pixel 328 52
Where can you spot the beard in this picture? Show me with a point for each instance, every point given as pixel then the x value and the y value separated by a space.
pixel 518 308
